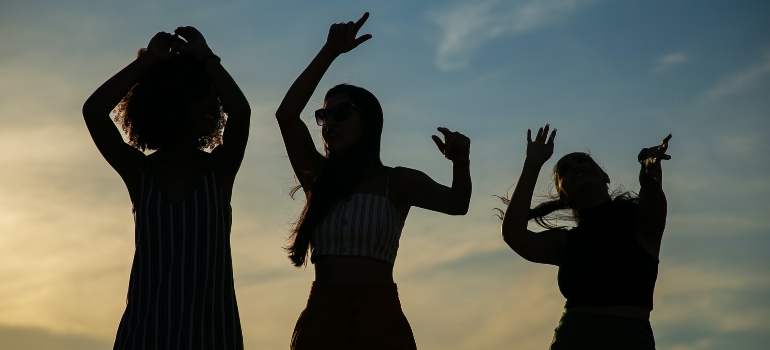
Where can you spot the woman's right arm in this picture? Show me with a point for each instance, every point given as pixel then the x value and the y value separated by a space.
pixel 540 247
pixel 299 144
pixel 96 110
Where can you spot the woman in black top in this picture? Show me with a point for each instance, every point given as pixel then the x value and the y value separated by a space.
pixel 608 263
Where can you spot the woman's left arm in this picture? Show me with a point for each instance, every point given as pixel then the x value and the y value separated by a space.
pixel 236 132
pixel 651 214
pixel 424 192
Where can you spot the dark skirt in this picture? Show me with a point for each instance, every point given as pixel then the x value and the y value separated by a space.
pixel 577 331
pixel 353 317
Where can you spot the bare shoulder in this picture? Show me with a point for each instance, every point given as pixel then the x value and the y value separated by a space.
pixel 406 177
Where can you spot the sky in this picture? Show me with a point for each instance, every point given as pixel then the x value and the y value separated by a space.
pixel 612 76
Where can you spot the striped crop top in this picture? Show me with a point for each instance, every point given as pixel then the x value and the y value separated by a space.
pixel 362 224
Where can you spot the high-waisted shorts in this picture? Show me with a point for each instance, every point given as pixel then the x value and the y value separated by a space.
pixel 353 317
pixel 578 330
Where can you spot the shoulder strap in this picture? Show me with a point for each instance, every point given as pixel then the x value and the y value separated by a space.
pixel 387 182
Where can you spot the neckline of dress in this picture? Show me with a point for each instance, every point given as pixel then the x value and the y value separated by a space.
pixel 199 182
pixel 400 216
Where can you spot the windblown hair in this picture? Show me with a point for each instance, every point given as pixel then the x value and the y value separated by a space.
pixel 555 208
pixel 338 174
pixel 158 105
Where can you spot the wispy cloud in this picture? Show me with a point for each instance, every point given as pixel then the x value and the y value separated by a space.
pixel 29 338
pixel 467 27
pixel 741 81
pixel 671 59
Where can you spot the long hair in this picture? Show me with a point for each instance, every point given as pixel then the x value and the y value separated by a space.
pixel 556 207
pixel 158 105
pixel 338 173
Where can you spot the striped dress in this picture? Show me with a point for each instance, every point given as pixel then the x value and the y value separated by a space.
pixel 181 294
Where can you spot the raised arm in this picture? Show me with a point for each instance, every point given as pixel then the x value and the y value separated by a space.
pixel 424 192
pixel 299 144
pixel 236 132
pixel 651 214
pixel 126 160
pixel 541 247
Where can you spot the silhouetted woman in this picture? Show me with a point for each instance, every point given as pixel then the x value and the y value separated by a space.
pixel 172 100
pixel 608 263
pixel 355 208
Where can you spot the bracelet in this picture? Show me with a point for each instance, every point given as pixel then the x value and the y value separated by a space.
pixel 210 56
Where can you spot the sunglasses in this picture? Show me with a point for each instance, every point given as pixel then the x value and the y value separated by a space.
pixel 339 113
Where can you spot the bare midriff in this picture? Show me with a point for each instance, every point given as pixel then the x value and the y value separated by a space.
pixel 347 270
pixel 632 311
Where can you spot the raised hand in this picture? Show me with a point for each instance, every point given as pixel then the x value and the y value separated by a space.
pixel 194 44
pixel 163 46
pixel 541 149
pixel 455 147
pixel 650 159
pixel 342 36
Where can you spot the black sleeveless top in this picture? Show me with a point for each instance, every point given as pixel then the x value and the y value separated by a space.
pixel 603 264
pixel 181 293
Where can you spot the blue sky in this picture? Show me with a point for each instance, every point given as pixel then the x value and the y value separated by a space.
pixel 612 76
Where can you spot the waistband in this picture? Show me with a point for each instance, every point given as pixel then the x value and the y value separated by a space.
pixel 368 293
pixel 600 319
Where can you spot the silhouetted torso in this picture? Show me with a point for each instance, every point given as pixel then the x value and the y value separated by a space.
pixel 181 292
pixel 603 263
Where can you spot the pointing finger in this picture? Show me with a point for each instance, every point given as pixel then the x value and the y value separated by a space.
pixel 529 136
pixel 362 20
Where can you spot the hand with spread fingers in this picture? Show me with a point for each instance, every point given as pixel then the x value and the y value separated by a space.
pixel 650 159
pixel 163 46
pixel 455 146
pixel 342 36
pixel 194 43
pixel 541 149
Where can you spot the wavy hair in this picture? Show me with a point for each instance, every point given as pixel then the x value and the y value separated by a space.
pixel 153 112
pixel 554 208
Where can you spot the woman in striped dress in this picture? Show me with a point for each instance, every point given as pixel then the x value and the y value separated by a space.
pixel 355 208
pixel 171 100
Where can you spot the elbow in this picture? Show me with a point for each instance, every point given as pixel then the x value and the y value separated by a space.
pixel 281 113
pixel 88 109
pixel 511 241
pixel 460 210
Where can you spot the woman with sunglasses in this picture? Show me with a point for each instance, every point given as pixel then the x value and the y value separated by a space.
pixel 355 208
pixel 171 99
pixel 608 262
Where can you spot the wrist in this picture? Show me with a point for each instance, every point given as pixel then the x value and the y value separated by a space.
pixel 203 53
pixel 461 163
pixel 328 52
pixel 530 163
pixel 149 58
pixel 210 57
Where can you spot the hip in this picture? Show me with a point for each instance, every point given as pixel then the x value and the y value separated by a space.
pixel 579 330
pixel 353 317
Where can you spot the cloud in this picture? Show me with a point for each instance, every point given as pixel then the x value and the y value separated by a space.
pixel 467 27
pixel 668 60
pixel 32 338
pixel 741 81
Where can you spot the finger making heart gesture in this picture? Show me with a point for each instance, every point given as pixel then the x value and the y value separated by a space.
pixel 194 43
pixel 163 46
pixel 455 146
pixel 342 36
